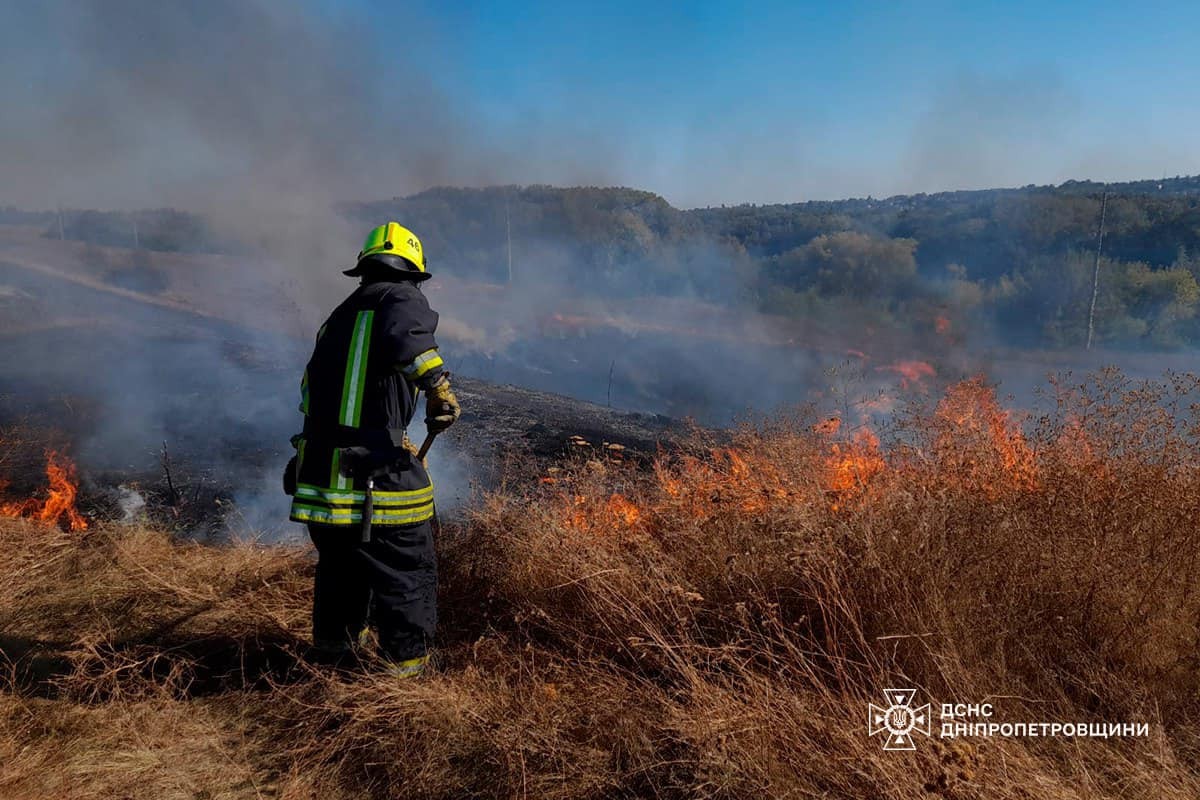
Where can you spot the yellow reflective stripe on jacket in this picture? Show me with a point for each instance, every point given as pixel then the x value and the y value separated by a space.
pixel 303 512
pixel 347 515
pixel 320 495
pixel 355 380
pixel 422 364
pixel 336 479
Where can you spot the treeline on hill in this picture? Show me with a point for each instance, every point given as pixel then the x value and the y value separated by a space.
pixel 161 229
pixel 1021 258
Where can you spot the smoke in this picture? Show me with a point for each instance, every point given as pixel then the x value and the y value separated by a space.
pixel 262 115
pixel 266 116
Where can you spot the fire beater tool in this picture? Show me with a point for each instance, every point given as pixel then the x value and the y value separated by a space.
pixel 425 445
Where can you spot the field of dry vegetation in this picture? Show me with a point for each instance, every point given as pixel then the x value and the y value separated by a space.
pixel 714 626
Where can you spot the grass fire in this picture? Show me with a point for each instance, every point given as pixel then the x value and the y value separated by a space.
pixel 609 401
pixel 57 506
pixel 714 622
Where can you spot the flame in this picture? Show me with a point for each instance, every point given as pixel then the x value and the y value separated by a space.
pixel 738 468
pixel 624 510
pixel 942 325
pixel 59 506
pixel 851 464
pixel 880 404
pixel 912 373
pixel 583 513
pixel 698 488
pixel 978 436
pixel 970 443
pixel 751 482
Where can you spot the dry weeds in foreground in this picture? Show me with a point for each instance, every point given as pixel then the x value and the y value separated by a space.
pixel 712 628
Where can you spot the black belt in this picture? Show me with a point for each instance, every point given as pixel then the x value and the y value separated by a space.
pixel 345 436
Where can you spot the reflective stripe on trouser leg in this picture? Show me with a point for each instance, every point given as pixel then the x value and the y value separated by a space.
pixel 368 510
pixel 410 668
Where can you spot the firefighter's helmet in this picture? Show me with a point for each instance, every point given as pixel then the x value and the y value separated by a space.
pixel 393 239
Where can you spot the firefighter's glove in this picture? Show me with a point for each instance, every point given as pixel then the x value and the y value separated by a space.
pixel 441 406
pixel 411 446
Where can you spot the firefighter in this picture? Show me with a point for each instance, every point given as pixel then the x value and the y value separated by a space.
pixel 355 479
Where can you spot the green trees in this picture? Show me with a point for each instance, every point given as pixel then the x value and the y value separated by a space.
pixel 1136 304
pixel 1017 259
pixel 849 263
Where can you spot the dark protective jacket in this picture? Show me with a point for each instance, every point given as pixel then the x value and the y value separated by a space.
pixel 360 388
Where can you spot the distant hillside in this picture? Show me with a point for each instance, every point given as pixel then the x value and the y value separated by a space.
pixel 1148 220
pixel 1017 262
pixel 614 240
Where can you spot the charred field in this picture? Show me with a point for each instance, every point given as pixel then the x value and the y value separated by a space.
pixel 631 606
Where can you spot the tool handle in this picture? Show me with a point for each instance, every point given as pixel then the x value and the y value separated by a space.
pixel 425 445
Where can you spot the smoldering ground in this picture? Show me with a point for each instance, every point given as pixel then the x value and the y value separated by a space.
pixel 263 117
pixel 260 116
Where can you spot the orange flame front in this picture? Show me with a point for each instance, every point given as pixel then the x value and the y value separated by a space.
pixel 970 442
pixel 851 464
pixel 912 373
pixel 623 509
pixel 981 442
pixel 58 508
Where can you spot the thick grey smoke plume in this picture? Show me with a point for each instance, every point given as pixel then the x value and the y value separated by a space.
pixel 261 114
pixel 118 103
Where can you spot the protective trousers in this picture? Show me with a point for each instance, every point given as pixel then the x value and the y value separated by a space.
pixel 390 581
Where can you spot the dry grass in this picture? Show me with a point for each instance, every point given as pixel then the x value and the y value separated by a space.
pixel 714 627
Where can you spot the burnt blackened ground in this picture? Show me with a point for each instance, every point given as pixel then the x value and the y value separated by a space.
pixel 190 472
pixel 498 419
pixel 180 413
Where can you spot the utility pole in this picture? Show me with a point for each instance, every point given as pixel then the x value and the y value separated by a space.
pixel 1096 271
pixel 611 365
pixel 62 233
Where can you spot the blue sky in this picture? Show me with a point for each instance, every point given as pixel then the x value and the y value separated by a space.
pixel 117 103
pixel 727 102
